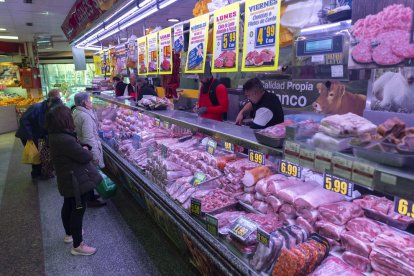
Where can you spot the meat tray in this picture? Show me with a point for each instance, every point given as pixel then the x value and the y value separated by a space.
pixel 386 219
pixel 269 141
pixel 246 207
pixel 386 158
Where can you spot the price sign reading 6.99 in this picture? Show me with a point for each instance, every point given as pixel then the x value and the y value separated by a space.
pixel 338 185
pixel 290 169
pixel 229 41
pixel 266 35
pixel 256 157
pixel 404 207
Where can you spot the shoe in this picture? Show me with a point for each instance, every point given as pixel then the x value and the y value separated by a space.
pixel 95 203
pixel 69 239
pixel 83 250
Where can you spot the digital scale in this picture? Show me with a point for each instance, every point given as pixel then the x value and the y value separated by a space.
pixel 321 52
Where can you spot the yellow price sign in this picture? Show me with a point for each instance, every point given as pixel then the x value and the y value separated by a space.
pixel 242 228
pixel 211 146
pixel 229 41
pixel 212 225
pixel 195 207
pixel 263 237
pixel 404 207
pixel 266 35
pixel 338 185
pixel 290 169
pixel 157 122
pixel 166 124
pixel 229 146
pixel 256 157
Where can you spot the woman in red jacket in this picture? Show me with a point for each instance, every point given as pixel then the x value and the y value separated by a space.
pixel 213 102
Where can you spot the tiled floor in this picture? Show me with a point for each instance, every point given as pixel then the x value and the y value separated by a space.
pixel 31 234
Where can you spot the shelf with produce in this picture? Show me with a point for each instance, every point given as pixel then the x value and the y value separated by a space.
pixel 226 132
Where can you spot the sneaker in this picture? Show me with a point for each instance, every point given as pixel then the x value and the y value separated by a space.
pixel 83 250
pixel 67 239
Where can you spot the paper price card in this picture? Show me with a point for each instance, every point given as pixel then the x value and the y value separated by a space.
pixel 256 157
pixel 291 151
pixel 261 35
pixel 342 165
pixel 323 159
pixel 198 178
pixel 229 146
pixel 195 207
pixel 242 228
pixel 121 59
pixel 338 185
pixel 165 58
pixel 142 56
pixel 157 122
pixel 166 124
pixel 363 173
pixel 197 48
pixel 211 146
pixel 226 39
pixel 263 237
pixel 152 52
pixel 212 225
pixel 290 169
pixel 97 64
pixel 178 38
pixel 404 207
pixel 307 158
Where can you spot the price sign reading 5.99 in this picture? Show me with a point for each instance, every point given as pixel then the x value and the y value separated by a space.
pixel 256 157
pixel 290 169
pixel 404 207
pixel 338 185
pixel 229 41
pixel 266 35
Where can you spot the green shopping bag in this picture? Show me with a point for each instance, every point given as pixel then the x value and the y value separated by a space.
pixel 107 187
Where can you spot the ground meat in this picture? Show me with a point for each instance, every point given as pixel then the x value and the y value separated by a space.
pixel 383 55
pixel 286 263
pixel 362 52
pixel 404 51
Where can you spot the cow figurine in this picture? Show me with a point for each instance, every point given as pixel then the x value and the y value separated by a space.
pixel 334 99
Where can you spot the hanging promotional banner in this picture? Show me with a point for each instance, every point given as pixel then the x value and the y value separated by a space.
pixel 121 59
pixel 111 60
pixel 97 63
pixel 261 35
pixel 226 39
pixel 165 58
pixel 152 52
pixel 132 54
pixel 105 64
pixel 178 38
pixel 197 48
pixel 142 55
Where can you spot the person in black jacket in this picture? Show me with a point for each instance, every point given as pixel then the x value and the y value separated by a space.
pixel 76 175
pixel 32 124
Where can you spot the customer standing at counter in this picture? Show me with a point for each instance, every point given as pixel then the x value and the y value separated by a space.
pixel 213 102
pixel 266 107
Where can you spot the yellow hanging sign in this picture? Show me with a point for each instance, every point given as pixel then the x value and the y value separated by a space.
pixel 165 57
pixel 197 48
pixel 152 52
pixel 142 56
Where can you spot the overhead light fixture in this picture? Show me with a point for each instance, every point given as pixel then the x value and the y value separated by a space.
pixel 174 20
pixel 139 18
pixel 2 0
pixel 90 48
pixel 45 13
pixel 144 3
pixel 3 29
pixel 9 37
pixel 167 3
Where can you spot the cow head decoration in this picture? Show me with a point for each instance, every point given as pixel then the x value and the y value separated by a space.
pixel 330 95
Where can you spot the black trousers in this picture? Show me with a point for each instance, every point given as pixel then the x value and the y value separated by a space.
pixel 36 169
pixel 72 218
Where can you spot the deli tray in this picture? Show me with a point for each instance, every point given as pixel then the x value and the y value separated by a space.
pixel 385 158
pixel 269 141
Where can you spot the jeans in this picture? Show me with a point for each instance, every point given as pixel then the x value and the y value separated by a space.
pixel 72 218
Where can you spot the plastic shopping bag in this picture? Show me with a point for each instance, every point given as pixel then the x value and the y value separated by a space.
pixel 30 154
pixel 107 187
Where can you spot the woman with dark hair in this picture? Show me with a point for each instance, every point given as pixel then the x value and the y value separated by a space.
pixel 75 173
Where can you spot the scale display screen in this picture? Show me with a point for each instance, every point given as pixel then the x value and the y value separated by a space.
pixel 317 46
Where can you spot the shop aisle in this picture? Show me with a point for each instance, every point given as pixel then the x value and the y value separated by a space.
pixel 128 241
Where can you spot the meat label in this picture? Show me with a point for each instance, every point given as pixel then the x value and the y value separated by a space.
pixel 261 35
pixel 165 57
pixel 323 159
pixel 338 185
pixel 226 39
pixel 404 207
pixel 242 228
pixel 197 48
pixel 142 56
pixel 263 237
pixel 198 178
pixel 152 52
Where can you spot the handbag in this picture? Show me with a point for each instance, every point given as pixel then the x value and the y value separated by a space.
pixel 107 187
pixel 30 154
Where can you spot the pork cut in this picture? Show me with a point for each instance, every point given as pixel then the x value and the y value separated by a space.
pixel 340 213
pixel 334 266
pixel 357 261
pixel 317 197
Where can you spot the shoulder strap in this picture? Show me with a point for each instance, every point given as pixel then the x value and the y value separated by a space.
pixel 212 93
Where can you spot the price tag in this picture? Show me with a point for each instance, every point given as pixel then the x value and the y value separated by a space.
pixel 198 178
pixel 388 179
pixel 342 166
pixel 136 141
pixel 164 151
pixel 228 146
pixel 150 151
pixel 404 207
pixel 212 225
pixel 290 169
pixel 166 124
pixel 140 115
pixel 229 41
pixel 323 160
pixel 363 173
pixel 195 207
pixel 256 157
pixel 157 122
pixel 242 228
pixel 266 35
pixel 337 71
pixel 263 237
pixel 307 158
pixel 292 151
pixel 211 146
pixel 338 185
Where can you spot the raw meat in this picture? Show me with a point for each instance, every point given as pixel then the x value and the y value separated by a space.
pixel 387 265
pixel 303 223
pixel 260 197
pixel 289 195
pixel 225 220
pixel 247 198
pixel 274 202
pixel 340 213
pixel 334 266
pixel 369 228
pixel 252 176
pixel 286 217
pixel 243 248
pixel 276 185
pixel 335 245
pixel 316 198
pixel 261 206
pixel 251 58
pixel 215 200
pixel 265 256
pixel 308 214
pixel 277 131
pixel 186 195
pixel 357 261
pixel 261 186
pixel 346 125
pixel 404 50
pixel 288 209
pixel 383 55
pixel 356 243
pixel 224 160
pixel 362 52
pixel 329 230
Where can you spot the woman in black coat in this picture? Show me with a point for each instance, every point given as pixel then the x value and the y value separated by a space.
pixel 75 174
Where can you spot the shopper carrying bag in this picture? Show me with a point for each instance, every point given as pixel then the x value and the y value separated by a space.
pixel 30 154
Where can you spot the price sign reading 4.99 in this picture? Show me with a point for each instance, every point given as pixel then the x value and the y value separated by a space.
pixel 290 169
pixel 266 35
pixel 256 157
pixel 404 207
pixel 338 185
pixel 242 228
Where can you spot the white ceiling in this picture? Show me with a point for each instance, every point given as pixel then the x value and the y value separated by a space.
pixel 14 14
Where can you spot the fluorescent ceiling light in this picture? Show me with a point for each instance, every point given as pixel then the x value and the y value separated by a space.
pixel 2 0
pixel 146 2
pixel 8 36
pixel 173 20
pixel 2 29
pixel 139 18
pixel 167 3
pixel 90 48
